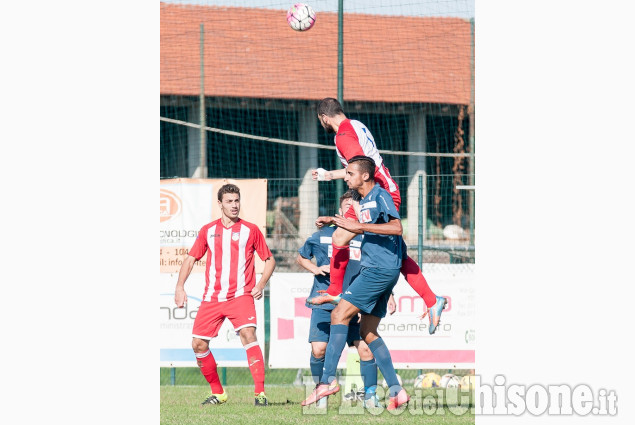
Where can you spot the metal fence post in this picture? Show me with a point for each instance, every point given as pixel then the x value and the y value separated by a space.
pixel 420 221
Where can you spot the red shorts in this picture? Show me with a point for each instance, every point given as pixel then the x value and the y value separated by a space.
pixel 396 199
pixel 240 311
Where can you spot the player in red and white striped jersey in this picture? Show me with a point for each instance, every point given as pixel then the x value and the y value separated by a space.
pixel 352 138
pixel 230 289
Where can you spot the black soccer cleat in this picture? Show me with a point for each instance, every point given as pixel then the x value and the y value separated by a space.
pixel 215 399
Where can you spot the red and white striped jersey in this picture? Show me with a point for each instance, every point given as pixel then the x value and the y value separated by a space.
pixel 354 138
pixel 230 270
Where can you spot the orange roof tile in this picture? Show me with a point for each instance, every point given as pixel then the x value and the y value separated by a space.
pixel 254 53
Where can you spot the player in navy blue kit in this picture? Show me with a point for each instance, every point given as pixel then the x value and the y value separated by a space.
pixel 319 246
pixel 353 138
pixel 382 253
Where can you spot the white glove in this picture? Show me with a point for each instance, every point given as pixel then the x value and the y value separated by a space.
pixel 321 172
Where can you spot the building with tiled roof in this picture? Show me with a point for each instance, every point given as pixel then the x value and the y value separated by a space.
pixel 254 53
pixel 409 79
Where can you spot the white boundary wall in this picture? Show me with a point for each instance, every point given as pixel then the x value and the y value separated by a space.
pixel 407 338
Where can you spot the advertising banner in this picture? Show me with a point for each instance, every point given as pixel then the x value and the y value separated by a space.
pixel 407 337
pixel 186 205
pixel 289 321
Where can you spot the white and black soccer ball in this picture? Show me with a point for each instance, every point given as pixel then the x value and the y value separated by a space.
pixel 301 17
pixel 449 380
pixel 385 384
pixel 468 382
pixel 418 382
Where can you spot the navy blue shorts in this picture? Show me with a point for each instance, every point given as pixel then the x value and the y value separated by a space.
pixel 320 330
pixel 371 290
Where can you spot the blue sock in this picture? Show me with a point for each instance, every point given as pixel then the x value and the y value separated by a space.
pixel 334 349
pixel 384 362
pixel 368 369
pixel 316 368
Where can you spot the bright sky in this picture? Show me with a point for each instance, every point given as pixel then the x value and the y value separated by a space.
pixel 454 8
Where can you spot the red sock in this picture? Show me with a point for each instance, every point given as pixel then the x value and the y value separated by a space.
pixel 414 277
pixel 256 366
pixel 339 261
pixel 207 364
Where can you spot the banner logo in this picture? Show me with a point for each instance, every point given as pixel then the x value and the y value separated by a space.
pixel 169 205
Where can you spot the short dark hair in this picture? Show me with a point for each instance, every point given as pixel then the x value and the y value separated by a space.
pixel 366 164
pixel 329 107
pixel 228 188
pixel 349 194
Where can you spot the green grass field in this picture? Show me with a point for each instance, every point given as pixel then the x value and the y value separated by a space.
pixel 180 405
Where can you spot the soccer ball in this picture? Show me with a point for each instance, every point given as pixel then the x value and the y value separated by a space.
pixel 301 17
pixel 467 382
pixel 449 380
pixel 418 381
pixel 427 380
pixel 385 384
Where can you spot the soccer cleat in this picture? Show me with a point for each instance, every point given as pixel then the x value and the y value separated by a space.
pixel 359 395
pixel 261 400
pixel 401 398
pixel 434 314
pixel 215 399
pixel 323 298
pixel 370 399
pixel 321 390
pixel 350 396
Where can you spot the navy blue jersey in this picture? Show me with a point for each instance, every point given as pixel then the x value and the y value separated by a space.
pixel 384 251
pixel 319 245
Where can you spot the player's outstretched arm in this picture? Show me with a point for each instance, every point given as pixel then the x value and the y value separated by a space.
pixel 324 175
pixel 324 220
pixel 180 297
pixel 270 265
pixel 393 227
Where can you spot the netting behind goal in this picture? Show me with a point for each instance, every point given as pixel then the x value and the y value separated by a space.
pixel 407 74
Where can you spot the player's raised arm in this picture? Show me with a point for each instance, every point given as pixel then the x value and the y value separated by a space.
pixel 324 220
pixel 325 175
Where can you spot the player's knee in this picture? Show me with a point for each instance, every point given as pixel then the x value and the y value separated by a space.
pixel 369 337
pixel 368 333
pixel 364 352
pixel 318 352
pixel 199 345
pixel 247 335
pixel 341 316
